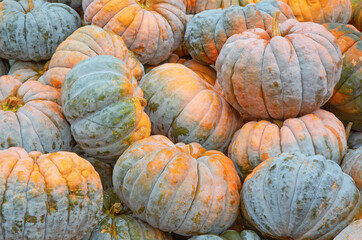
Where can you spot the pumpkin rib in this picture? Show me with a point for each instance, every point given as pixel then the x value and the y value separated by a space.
pixel 37 134
pixel 340 85
pixel 138 28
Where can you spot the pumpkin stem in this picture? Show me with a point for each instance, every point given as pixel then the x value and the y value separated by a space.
pixel 279 123
pixel 115 209
pixel 194 149
pixel 12 104
pixel 142 101
pixel 275 25
pixel 35 155
pixel 45 68
pixel 348 129
pixel 30 5
pixel 145 4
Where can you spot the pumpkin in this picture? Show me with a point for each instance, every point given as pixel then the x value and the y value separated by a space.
pixel 152 29
pixel 101 101
pixel 357 17
pixel 207 32
pixel 353 231
pixel 196 6
pixel 187 109
pixel 297 197
pixel 86 42
pixel 31 30
pixel 50 196
pixel 352 165
pixel 355 140
pixel 288 73
pixel 4 66
pixel 319 132
pixel 229 235
pixel 346 101
pixel 178 188
pixel 31 117
pixel 24 71
pixel 75 4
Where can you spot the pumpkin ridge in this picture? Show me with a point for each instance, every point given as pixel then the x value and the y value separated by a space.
pixel 47 50
pixel 156 30
pixel 138 29
pixel 31 123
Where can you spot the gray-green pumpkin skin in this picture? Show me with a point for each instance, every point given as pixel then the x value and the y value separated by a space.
pixel 229 235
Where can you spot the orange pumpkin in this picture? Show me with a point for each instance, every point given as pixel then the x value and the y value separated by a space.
pixel 357 17
pixel 24 71
pixel 196 6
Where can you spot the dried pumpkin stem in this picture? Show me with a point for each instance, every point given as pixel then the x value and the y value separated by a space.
pixel 279 123
pixel 30 5
pixel 11 104
pixel 142 101
pixel 116 209
pixel 275 25
pixel 348 129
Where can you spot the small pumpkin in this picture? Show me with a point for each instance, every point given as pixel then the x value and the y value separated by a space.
pixel 353 231
pixel 297 197
pixel 229 235
pixel 179 188
pixel 24 71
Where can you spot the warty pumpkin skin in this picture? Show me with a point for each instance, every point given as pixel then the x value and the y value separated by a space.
pixel 319 132
pixel 101 101
pixel 290 74
pixel 352 232
pixel 24 71
pixel 31 117
pixel 297 197
pixel 187 109
pixel 33 34
pixel 152 29
pixel 178 188
pixel 50 196
pixel 86 42
pixel 207 32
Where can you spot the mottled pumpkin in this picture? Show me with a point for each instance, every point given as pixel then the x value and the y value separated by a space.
pixel 4 66
pixel 297 197
pixel 86 42
pixel 50 196
pixel 346 101
pixel 152 29
pixel 319 132
pixel 207 32
pixel 31 30
pixel 354 140
pixel 357 17
pixel 196 6
pixel 352 232
pixel 24 71
pixel 288 73
pixel 101 101
pixel 178 188
pixel 187 109
pixel 352 165
pixel 229 235
pixel 31 117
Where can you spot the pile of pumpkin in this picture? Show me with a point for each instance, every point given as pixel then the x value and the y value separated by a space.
pixel 180 119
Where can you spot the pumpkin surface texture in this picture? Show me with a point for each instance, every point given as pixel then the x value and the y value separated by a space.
pixel 355 140
pixel 31 117
pixel 152 29
pixel 352 232
pixel 50 196
pixel 196 6
pixel 24 71
pixel 229 235
pixel 178 188
pixel 352 165
pixel 297 197
pixel 357 17
pixel 101 101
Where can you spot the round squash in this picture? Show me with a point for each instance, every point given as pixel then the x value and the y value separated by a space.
pixel 101 101
pixel 288 73
pixel 196 6
pixel 352 165
pixel 346 101
pixel 229 235
pixel 24 71
pixel 357 17
pixel 297 197
pixel 319 132
pixel 152 29
pixel 185 108
pixel 178 188
pixel 207 32
pixel 4 66
pixel 31 30
pixel 355 140
pixel 86 42
pixel 50 196
pixel 353 231
pixel 31 117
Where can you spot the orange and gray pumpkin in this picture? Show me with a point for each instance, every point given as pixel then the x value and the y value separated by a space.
pixel 31 117
pixel 31 30
pixel 207 32
pixel 86 42
pixel 24 71
pixel 352 165
pixel 319 132
pixel 178 188
pixel 101 101
pixel 50 196
pixel 152 29
pixel 187 109
pixel 196 6
pixel 297 197
pixel 357 17
pixel 281 75
pixel 352 232
pixel 346 101
pixel 229 235
pixel 4 66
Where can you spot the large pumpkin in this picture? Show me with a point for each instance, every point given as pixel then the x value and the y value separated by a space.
pixel 86 42
pixel 24 71
pixel 297 197
pixel 352 165
pixel 352 232
pixel 180 188
pixel 31 30
pixel 288 73
pixel 51 196
pixel 346 101
pixel 187 109
pixel 101 101
pixel 317 133
pixel 207 32
pixel 31 117
pixel 152 29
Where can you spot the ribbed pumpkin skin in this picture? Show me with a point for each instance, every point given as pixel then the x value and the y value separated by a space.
pixel 86 42
pixel 47 25
pixel 207 32
pixel 229 235
pixel 346 101
pixel 4 66
pixel 279 77
pixel 352 232
pixel 357 17
pixel 51 196
pixel 317 133
pixel 185 108
pixel 101 101
pixel 152 29
pixel 37 125
pixel 299 197
pixel 196 6
pixel 352 165
pixel 178 188
pixel 27 71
